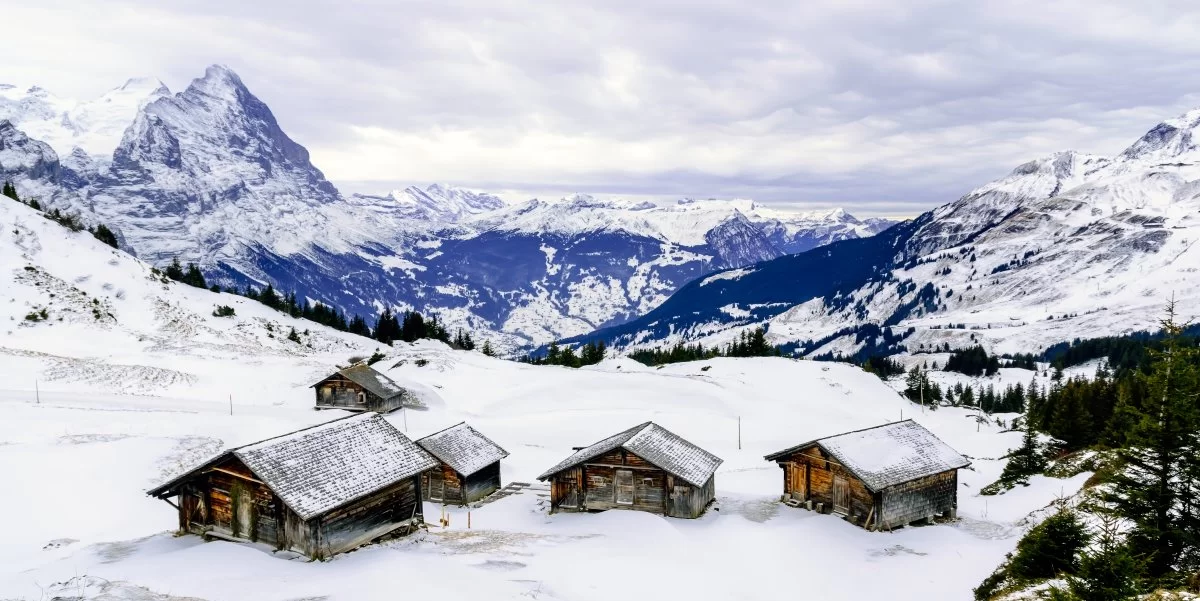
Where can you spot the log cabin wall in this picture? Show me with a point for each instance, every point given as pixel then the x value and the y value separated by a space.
pixel 482 483
pixel 811 473
pixel 442 485
pixel 919 499
pixel 339 391
pixel 369 518
pixel 687 501
pixel 622 480
pixel 230 500
pixel 566 490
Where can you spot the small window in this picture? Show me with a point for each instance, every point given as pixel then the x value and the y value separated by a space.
pixel 362 399
pixel 624 487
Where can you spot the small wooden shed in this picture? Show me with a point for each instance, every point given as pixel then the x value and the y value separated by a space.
pixel 880 478
pixel 361 388
pixel 469 467
pixel 318 491
pixel 645 468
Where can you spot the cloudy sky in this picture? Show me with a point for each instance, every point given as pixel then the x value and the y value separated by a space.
pixel 884 107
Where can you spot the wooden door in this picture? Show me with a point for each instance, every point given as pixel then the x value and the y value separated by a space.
pixel 624 487
pixel 841 495
pixel 569 493
pixel 243 512
pixel 437 486
pixel 798 480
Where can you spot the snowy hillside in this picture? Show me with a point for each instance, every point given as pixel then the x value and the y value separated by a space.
pixel 209 175
pixel 1066 246
pixel 115 380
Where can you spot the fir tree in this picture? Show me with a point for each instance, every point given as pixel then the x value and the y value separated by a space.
pixel 10 191
pixel 1107 572
pixel 105 235
pixel 1148 491
pixel 487 348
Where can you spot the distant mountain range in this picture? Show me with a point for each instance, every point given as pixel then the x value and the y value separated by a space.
pixel 208 175
pixel 1066 246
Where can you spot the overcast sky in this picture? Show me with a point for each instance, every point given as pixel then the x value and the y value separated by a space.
pixel 885 107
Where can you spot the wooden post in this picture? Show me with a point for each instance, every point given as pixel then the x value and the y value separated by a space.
pixel 739 432
pixel 468 520
pixel 37 393
pixel 231 404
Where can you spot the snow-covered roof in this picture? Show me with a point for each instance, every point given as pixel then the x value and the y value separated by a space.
pixel 655 444
pixel 463 448
pixel 323 467
pixel 373 381
pixel 888 455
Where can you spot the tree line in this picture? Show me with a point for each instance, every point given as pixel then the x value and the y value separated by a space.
pixel 752 343
pixel 408 326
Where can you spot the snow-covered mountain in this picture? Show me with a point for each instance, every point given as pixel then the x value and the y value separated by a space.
pixel 209 175
pixel 1066 246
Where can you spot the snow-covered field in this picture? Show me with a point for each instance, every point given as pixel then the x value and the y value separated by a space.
pixel 79 464
pixel 130 379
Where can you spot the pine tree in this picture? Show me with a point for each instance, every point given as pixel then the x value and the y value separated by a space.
pixel 487 348
pixel 175 270
pixel 1161 446
pixel 10 191
pixel 1107 572
pixel 105 235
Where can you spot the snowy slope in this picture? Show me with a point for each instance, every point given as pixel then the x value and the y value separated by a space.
pixel 1066 246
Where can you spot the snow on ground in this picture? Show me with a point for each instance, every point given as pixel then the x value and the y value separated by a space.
pixel 83 460
pixel 130 380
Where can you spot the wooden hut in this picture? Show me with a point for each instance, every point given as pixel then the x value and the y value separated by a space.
pixel 318 491
pixel 645 468
pixel 880 478
pixel 469 467
pixel 361 388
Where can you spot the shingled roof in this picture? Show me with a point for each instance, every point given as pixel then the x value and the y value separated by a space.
pixel 887 455
pixel 655 444
pixel 323 467
pixel 373 381
pixel 463 448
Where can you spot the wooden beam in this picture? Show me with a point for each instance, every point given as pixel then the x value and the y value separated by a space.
pixel 172 504
pixel 237 475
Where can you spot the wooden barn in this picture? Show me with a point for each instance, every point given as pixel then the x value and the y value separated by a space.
pixel 318 491
pixel 361 388
pixel 469 467
pixel 880 478
pixel 645 468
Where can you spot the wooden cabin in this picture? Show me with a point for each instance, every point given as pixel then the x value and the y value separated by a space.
pixel 645 468
pixel 361 388
pixel 318 491
pixel 470 466
pixel 880 478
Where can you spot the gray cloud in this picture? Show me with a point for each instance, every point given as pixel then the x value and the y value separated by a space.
pixel 883 107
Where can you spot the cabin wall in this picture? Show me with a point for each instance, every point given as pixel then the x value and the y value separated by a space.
pixel 482 483
pixel 369 518
pixel 342 393
pixel 622 480
pixel 442 485
pixel 687 501
pixel 809 474
pixel 919 499
pixel 228 499
pixel 566 490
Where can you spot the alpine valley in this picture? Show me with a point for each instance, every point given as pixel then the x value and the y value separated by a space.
pixel 208 176
pixel 1067 246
